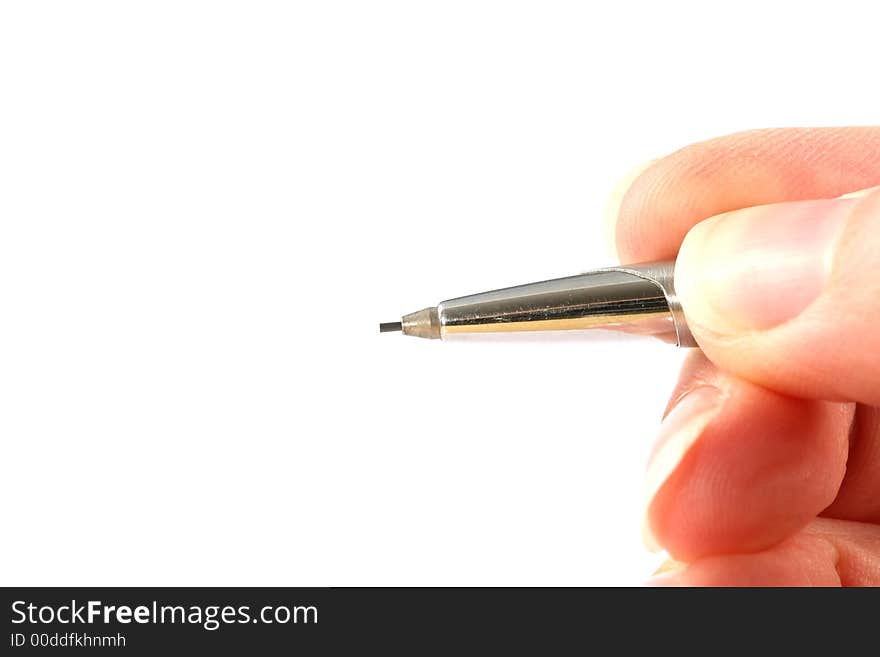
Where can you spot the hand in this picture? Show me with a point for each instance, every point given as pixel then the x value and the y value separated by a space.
pixel 767 468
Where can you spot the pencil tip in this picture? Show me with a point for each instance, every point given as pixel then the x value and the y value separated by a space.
pixel 387 327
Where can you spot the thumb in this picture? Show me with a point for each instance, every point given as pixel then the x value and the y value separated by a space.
pixel 788 295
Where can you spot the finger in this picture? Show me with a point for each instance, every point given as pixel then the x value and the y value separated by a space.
pixel 827 553
pixel 788 295
pixel 859 494
pixel 739 468
pixel 737 171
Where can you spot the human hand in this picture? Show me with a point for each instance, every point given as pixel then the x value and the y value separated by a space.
pixel 767 467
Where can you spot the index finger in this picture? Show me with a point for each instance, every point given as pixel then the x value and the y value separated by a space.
pixel 737 171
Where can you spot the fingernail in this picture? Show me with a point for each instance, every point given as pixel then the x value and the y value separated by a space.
pixel 669 566
pixel 861 192
pixel 612 206
pixel 664 579
pixel 756 268
pixel 680 429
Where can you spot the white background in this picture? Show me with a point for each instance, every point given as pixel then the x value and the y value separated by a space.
pixel 206 208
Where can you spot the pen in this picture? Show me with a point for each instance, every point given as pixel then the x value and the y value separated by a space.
pixel 637 299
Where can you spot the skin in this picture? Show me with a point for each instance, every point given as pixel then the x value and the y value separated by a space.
pixel 782 485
